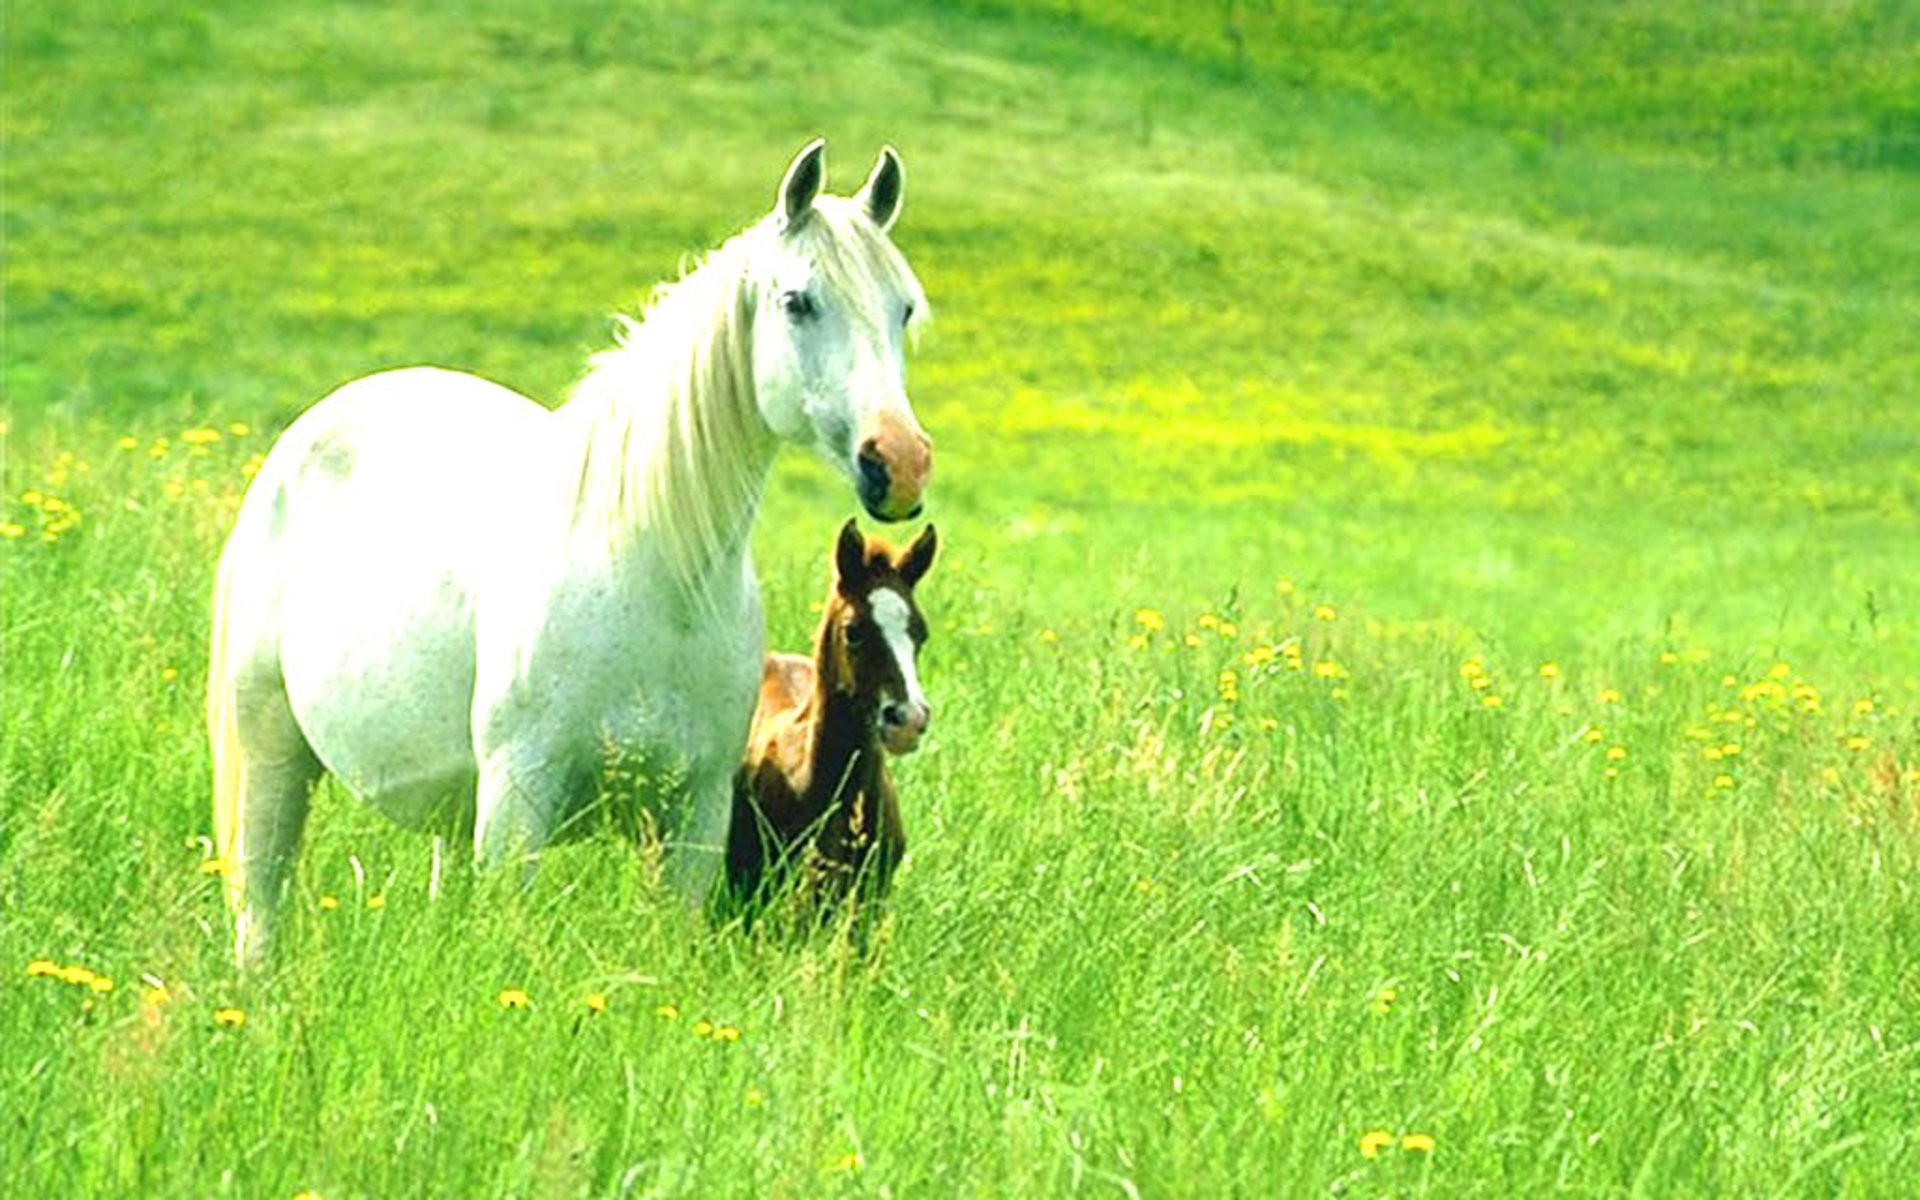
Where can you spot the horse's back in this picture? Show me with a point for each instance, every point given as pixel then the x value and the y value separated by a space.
pixel 786 680
pixel 357 549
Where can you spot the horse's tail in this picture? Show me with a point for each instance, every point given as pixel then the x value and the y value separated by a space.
pixel 223 739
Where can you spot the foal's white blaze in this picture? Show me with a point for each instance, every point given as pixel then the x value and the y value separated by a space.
pixel 892 615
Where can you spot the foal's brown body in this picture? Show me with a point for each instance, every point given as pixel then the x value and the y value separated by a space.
pixel 813 796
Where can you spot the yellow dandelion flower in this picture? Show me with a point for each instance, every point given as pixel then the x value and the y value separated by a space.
pixel 514 998
pixel 1228 630
pixel 1137 642
pixel 1613 772
pixel 852 1160
pixel 1417 1143
pixel 32 498
pixel 377 901
pixel 1593 735
pixel 231 1018
pixel 1049 636
pixel 1192 640
pixel 9 529
pixel 1862 707
pixel 596 1002
pixel 1668 658
pixel 1284 586
pixel 726 1033
pixel 1857 742
pixel 1616 753
pixel 128 443
pixel 702 1028
pixel 1712 754
pixel 1149 620
pixel 1325 612
pixel 200 437
pixel 1472 668
pixel 1208 621
pixel 1328 669
pixel 1549 670
pixel 1723 782
pixel 329 903
pixel 1480 683
pixel 1383 1001
pixel 1373 1141
pixel 1268 724
pixel 667 1012
pixel 154 995
pixel 1729 680
pixel 77 975
pixel 306 1195
pixel 43 968
pixel 1492 702
pixel 239 429
pixel 215 866
pixel 1259 656
pixel 101 984
pixel 1780 670
pixel 753 1097
pixel 1609 696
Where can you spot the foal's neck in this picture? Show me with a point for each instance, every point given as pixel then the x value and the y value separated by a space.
pixel 844 745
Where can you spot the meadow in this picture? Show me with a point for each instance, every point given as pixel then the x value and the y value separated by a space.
pixel 1425 655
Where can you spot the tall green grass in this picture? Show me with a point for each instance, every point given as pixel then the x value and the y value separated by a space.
pixel 1424 643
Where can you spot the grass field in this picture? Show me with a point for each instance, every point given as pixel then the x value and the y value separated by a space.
pixel 1426 652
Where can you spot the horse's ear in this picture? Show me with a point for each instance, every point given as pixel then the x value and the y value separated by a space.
pixel 880 197
pixel 918 558
pixel 805 176
pixel 850 557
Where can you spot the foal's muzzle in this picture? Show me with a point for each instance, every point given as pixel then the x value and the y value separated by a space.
pixel 901 726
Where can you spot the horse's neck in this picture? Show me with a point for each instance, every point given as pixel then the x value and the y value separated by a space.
pixel 672 453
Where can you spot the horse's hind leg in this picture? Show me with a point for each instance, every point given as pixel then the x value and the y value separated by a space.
pixel 271 788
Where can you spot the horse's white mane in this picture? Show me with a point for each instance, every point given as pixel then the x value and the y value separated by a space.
pixel 675 446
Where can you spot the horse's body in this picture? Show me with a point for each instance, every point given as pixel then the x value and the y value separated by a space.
pixel 457 601
pixel 813 795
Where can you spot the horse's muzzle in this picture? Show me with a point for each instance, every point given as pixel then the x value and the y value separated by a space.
pixel 892 469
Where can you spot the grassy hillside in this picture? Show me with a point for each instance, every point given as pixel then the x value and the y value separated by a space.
pixel 1425 648
pixel 1783 83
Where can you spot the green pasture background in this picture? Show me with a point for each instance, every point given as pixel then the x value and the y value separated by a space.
pixel 1425 648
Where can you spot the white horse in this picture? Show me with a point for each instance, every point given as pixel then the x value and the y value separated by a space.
pixel 456 600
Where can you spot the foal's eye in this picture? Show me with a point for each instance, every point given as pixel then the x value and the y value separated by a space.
pixel 797 305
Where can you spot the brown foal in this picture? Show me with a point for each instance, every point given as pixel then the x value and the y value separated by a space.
pixel 812 796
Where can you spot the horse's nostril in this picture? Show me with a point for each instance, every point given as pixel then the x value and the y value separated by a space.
pixel 873 475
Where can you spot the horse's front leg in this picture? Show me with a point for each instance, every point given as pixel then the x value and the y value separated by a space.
pixel 516 806
pixel 697 849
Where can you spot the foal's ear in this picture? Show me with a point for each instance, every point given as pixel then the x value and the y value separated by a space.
pixel 880 197
pixel 802 184
pixel 918 558
pixel 850 557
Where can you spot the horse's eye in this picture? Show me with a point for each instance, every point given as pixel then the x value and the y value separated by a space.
pixel 798 305
pixel 907 318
